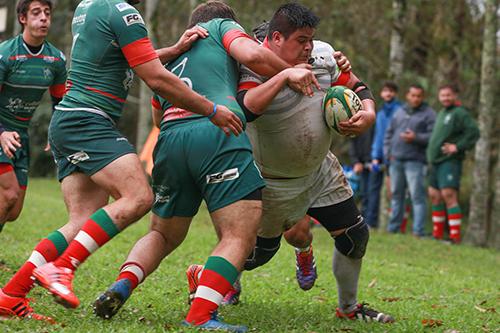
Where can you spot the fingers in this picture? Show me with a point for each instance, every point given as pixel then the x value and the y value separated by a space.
pixel 315 82
pixel 305 66
pixel 16 136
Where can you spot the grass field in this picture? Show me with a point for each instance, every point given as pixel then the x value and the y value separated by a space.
pixel 427 286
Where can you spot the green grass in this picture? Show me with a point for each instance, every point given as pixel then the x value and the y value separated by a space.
pixel 414 280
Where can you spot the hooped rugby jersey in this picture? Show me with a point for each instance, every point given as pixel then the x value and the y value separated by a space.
pixel 291 138
pixel 24 78
pixel 208 69
pixel 109 38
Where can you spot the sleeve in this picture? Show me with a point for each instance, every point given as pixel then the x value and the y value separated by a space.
pixel 58 87
pixel 353 150
pixel 378 140
pixel 249 79
pixel 230 31
pixel 423 137
pixel 388 138
pixel 131 35
pixel 470 133
pixel 4 68
pixel 155 102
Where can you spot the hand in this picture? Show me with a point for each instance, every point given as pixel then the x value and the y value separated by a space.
pixel 189 37
pixel 358 168
pixel 408 136
pixel 10 141
pixel 47 147
pixel 228 121
pixel 302 80
pixel 357 124
pixel 342 61
pixel 449 148
pixel 374 165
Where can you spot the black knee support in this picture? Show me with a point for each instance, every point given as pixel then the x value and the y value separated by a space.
pixel 264 250
pixel 352 242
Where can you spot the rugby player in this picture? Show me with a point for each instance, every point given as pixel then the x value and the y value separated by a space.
pixel 302 176
pixel 192 161
pixel 94 160
pixel 29 65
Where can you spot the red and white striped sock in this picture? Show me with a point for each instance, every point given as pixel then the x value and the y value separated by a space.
pixel 133 272
pixel 455 221
pixel 438 220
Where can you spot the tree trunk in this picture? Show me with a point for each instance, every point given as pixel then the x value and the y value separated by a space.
pixel 396 56
pixel 477 230
pixel 494 234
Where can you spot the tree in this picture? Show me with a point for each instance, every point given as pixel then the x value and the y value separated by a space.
pixel 479 217
pixel 396 56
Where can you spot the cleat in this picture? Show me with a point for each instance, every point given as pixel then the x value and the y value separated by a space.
pixel 363 313
pixel 305 270
pixel 217 325
pixel 108 303
pixel 59 282
pixel 19 307
pixel 233 296
pixel 193 274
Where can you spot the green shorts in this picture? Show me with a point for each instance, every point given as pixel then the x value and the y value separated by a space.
pixel 195 160
pixel 445 174
pixel 21 160
pixel 84 142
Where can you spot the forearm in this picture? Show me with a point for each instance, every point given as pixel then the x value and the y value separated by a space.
pixel 167 54
pixel 369 107
pixel 267 63
pixel 156 115
pixel 258 98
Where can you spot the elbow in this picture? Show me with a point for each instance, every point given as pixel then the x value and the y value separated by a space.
pixel 155 82
pixel 254 56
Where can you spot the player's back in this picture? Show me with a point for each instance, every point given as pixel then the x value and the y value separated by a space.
pixel 208 69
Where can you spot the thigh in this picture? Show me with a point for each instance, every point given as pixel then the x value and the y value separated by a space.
pixel 448 174
pixel 329 184
pixel 173 229
pixel 397 180
pixel 338 216
pixel 8 179
pixel 239 220
pixel 414 175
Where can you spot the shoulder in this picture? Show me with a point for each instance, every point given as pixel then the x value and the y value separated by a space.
pixel 8 47
pixel 54 51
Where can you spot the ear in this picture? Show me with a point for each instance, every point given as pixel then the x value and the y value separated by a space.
pixel 277 38
pixel 23 19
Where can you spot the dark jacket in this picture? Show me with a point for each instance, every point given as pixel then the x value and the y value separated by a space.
pixel 419 120
pixel 360 147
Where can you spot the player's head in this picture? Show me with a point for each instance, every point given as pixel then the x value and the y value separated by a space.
pixel 34 16
pixel 389 91
pixel 415 95
pixel 211 10
pixel 448 95
pixel 260 31
pixel 291 32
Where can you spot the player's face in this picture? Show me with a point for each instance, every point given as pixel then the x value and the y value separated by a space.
pixel 387 94
pixel 297 48
pixel 36 22
pixel 415 97
pixel 447 97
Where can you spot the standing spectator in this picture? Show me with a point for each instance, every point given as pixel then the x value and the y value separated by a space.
pixel 384 116
pixel 454 133
pixel 404 146
pixel 360 155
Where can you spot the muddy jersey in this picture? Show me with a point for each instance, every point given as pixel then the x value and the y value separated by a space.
pixel 109 38
pixel 24 78
pixel 291 138
pixel 208 69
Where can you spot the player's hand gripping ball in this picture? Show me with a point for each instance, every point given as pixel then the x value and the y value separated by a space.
pixel 340 103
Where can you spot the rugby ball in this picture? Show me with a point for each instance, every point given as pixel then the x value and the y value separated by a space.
pixel 340 103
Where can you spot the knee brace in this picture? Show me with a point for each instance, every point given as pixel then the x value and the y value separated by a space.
pixel 352 242
pixel 264 250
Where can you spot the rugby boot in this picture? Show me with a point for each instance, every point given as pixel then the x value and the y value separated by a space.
pixel 19 307
pixel 233 296
pixel 215 324
pixel 109 302
pixel 193 274
pixel 363 313
pixel 59 282
pixel 305 269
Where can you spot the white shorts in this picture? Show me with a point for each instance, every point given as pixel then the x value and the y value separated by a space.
pixel 286 201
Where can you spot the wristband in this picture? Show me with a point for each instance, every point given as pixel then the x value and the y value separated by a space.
pixel 210 116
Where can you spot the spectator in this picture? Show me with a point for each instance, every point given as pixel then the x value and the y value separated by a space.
pixel 405 142
pixel 384 116
pixel 454 133
pixel 360 155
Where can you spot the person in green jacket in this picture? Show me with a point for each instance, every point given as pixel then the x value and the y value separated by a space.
pixel 454 133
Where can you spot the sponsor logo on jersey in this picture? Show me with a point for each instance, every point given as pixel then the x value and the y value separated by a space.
pixel 47 73
pixel 121 139
pixel 133 19
pixel 129 79
pixel 18 105
pixel 78 157
pixel 49 59
pixel 161 194
pixel 447 119
pixel 79 20
pixel 223 176
pixel 123 6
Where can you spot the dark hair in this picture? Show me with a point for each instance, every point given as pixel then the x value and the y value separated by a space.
pixel 24 5
pixel 416 86
pixel 211 10
pixel 260 31
pixel 449 86
pixel 391 85
pixel 291 17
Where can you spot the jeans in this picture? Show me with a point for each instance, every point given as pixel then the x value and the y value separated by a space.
pixel 373 206
pixel 411 173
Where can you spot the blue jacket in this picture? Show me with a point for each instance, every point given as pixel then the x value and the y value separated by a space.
pixel 419 120
pixel 384 117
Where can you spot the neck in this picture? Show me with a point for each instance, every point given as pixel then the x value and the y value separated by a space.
pixel 31 40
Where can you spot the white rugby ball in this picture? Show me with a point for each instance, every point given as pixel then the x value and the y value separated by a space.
pixel 340 103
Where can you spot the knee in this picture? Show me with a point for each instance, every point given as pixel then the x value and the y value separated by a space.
pixel 143 201
pixel 353 241
pixel 13 214
pixel 11 196
pixel 264 250
pixel 449 197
